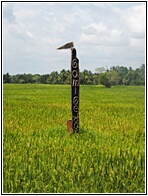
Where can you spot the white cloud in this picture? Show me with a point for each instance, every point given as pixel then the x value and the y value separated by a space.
pixel 138 44
pixel 103 33
pixel 26 14
pixel 108 37
pixel 29 34
pixel 69 18
pixel 96 27
pixel 135 19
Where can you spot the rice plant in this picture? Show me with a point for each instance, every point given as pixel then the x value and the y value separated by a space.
pixel 40 156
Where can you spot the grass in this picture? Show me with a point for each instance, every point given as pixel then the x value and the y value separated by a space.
pixel 39 156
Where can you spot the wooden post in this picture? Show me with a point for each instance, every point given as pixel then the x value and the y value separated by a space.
pixel 73 125
pixel 69 126
pixel 75 86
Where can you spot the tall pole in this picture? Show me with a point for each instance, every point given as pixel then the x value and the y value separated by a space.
pixel 73 125
pixel 75 85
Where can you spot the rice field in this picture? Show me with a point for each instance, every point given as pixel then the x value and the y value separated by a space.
pixel 40 156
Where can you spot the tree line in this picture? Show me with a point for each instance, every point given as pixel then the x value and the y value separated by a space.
pixel 116 75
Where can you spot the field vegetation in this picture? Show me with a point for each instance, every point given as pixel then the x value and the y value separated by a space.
pixel 40 156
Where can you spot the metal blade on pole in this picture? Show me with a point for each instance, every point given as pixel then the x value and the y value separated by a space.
pixel 66 46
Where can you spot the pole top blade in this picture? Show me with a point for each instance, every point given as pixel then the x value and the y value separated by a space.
pixel 66 46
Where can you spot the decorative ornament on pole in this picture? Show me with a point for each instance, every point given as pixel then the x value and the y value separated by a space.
pixel 73 125
pixel 66 46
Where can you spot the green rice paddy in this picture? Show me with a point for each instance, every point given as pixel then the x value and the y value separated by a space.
pixel 40 156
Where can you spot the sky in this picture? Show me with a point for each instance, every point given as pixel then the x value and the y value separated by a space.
pixel 105 34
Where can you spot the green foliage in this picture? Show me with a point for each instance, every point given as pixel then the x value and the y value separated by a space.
pixel 115 76
pixel 123 76
pixel 39 156
pixel 110 78
pixel 6 78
